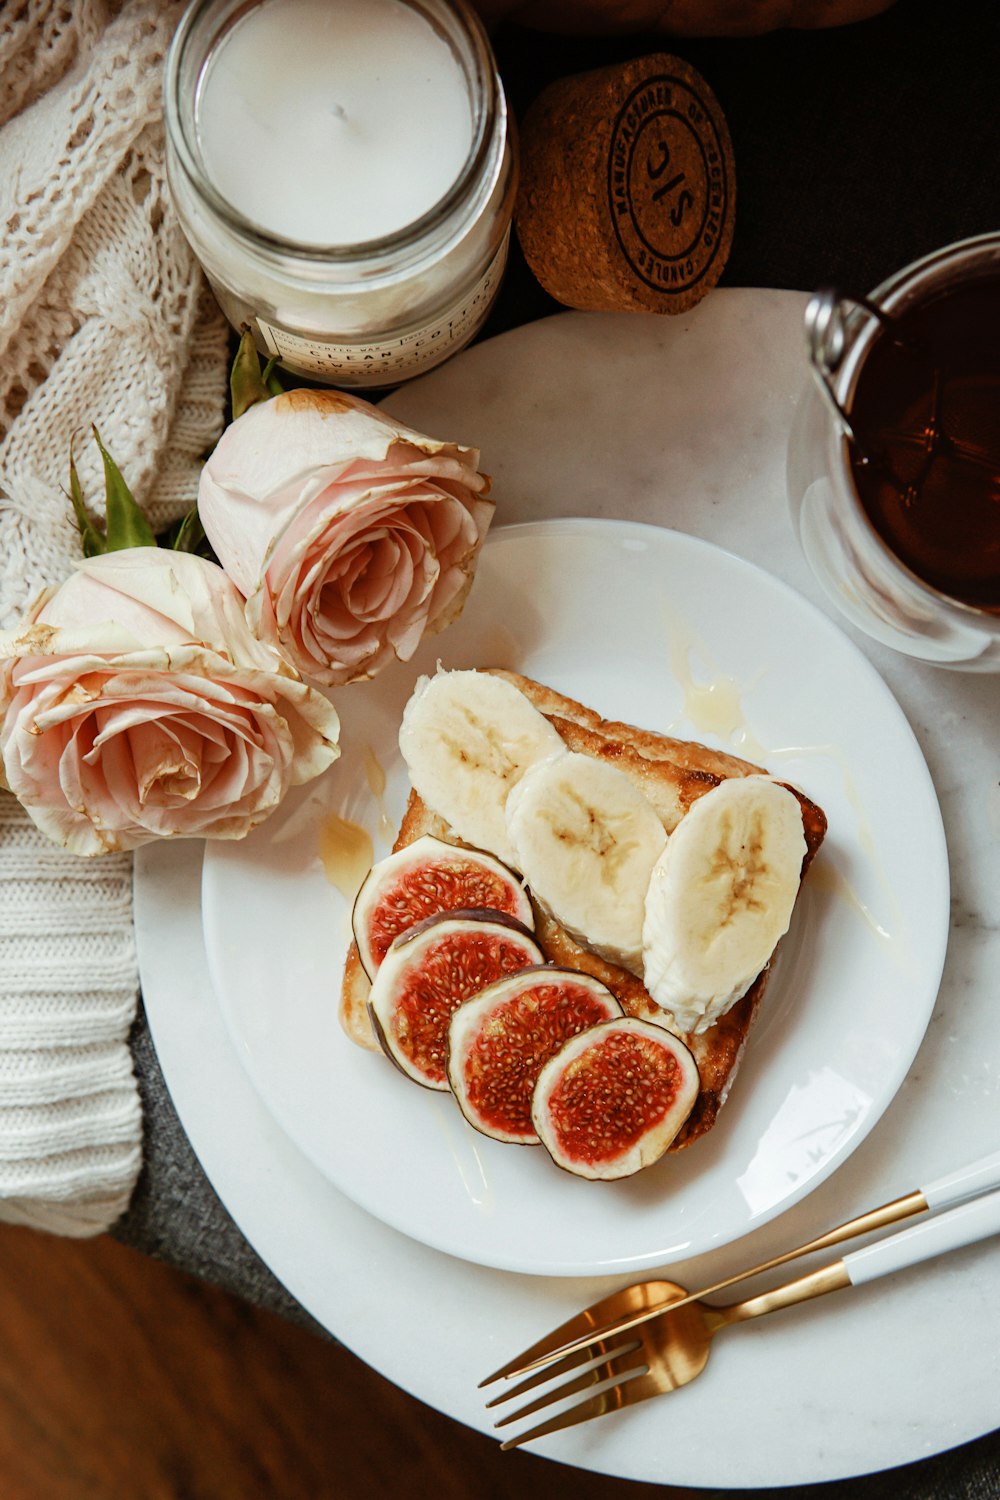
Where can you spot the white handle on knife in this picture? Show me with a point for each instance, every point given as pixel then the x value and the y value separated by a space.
pixel 964 1182
pixel 974 1220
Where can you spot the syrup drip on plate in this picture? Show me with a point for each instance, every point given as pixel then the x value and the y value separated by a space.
pixel 713 705
pixel 346 854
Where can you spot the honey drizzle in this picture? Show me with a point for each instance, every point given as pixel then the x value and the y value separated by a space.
pixel 346 854
pixel 714 706
pixel 825 876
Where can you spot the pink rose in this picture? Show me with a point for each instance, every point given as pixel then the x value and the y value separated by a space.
pixel 349 535
pixel 135 703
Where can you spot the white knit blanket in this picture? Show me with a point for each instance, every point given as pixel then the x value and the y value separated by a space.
pixel 104 318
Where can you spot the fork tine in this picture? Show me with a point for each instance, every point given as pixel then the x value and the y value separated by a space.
pixel 562 1367
pixel 577 1327
pixel 585 1345
pixel 598 1405
pixel 559 1367
pixel 605 1371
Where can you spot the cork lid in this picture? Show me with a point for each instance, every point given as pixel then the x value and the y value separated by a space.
pixel 628 188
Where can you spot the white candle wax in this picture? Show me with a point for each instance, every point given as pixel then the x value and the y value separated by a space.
pixel 365 145
pixel 332 122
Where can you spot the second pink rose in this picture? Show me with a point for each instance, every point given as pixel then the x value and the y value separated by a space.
pixel 349 535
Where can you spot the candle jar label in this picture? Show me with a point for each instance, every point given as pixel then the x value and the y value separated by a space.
pixel 385 361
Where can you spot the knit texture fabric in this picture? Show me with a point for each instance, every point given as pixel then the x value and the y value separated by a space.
pixel 104 319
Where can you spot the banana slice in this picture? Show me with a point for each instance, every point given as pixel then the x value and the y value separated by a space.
pixel 467 739
pixel 586 839
pixel 720 897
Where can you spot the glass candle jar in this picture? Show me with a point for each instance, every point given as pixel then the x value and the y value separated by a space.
pixel 894 456
pixel 344 172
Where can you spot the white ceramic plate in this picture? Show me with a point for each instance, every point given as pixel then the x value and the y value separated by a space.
pixel 666 631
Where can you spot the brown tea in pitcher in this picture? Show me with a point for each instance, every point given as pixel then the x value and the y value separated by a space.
pixel 926 457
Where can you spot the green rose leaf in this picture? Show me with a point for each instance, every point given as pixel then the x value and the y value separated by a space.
pixel 248 384
pixel 92 539
pixel 189 534
pixel 126 524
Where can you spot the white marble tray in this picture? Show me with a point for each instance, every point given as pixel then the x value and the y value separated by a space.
pixel 680 422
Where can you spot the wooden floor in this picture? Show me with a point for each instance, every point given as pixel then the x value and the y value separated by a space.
pixel 121 1379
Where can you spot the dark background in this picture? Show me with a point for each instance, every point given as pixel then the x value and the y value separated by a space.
pixel 857 148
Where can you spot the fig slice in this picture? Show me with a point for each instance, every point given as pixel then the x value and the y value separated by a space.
pixel 499 1040
pixel 423 879
pixel 612 1099
pixel 426 974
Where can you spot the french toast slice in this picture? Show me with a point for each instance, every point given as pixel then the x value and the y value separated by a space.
pixel 672 774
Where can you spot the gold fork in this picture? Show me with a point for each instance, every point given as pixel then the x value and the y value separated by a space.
pixel 672 1348
pixel 632 1305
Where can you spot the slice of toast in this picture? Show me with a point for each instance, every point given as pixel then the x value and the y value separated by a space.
pixel 672 774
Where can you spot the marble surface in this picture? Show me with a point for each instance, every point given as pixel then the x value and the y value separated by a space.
pixel 681 423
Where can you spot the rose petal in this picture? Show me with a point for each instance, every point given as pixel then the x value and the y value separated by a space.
pixel 200 729
pixel 349 534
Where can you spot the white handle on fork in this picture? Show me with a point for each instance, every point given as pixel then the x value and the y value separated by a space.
pixel 971 1221
pixel 965 1182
